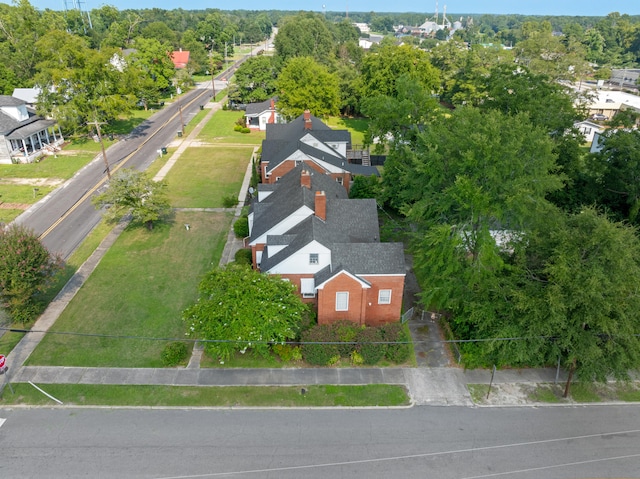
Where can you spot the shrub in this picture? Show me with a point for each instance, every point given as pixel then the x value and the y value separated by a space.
pixel 241 122
pixel 319 354
pixel 369 345
pixel 243 256
pixel 174 353
pixel 334 360
pixel 356 358
pixel 245 130
pixel 238 128
pixel 229 201
pixel 395 333
pixel 241 227
pixel 345 332
pixel 287 352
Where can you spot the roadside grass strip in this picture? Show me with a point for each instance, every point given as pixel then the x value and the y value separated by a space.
pixel 381 395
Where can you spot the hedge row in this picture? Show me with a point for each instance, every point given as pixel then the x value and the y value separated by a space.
pixel 324 344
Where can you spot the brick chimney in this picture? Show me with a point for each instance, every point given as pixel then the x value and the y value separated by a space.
pixel 305 179
pixel 307 120
pixel 321 205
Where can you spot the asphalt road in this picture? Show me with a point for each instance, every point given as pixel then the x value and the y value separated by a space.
pixel 421 442
pixel 66 216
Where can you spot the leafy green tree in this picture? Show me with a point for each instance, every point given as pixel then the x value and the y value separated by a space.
pixel 381 70
pixel 78 84
pixel 161 32
pixel 121 33
pixel 152 57
pixel 255 80
pixel 616 169
pixel 381 23
pixel 345 31
pixel 26 267
pixel 305 84
pixel 518 90
pixel 304 35
pixel 576 299
pixel 464 70
pixel 132 192
pixel 467 175
pixel 242 309
pixel 198 55
pixel 398 119
pixel 21 27
pixel 365 187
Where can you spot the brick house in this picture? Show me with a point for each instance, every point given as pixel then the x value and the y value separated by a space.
pixel 305 229
pixel 308 140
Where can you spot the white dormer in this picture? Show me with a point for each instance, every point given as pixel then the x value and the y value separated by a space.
pixel 17 112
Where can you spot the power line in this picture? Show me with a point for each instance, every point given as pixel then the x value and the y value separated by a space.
pixel 248 341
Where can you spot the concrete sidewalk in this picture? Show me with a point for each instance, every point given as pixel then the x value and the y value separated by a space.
pixel 426 386
pixel 433 385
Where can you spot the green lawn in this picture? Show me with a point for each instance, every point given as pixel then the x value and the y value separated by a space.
pixel 203 176
pixel 220 130
pixel 192 396
pixel 64 166
pixel 357 127
pixel 139 290
pixel 20 179
pixel 124 126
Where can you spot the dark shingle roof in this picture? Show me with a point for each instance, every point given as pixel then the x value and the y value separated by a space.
pixel 377 258
pixel 294 130
pixel 348 221
pixel 257 108
pixel 350 230
pixel 289 195
pixel 7 100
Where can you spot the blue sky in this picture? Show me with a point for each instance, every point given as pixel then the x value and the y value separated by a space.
pixel 528 7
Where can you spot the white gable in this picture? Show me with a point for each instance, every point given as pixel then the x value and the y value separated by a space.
pixel 330 148
pixel 285 225
pixel 18 113
pixel 299 262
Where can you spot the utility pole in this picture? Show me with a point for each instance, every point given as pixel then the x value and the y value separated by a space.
pixel 104 153
pixel 213 83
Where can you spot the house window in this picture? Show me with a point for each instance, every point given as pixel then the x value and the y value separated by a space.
pixel 339 180
pixel 297 162
pixel 308 287
pixel 278 178
pixel 384 296
pixel 313 258
pixel 342 301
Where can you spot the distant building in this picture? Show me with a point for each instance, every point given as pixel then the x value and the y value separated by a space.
pixel 363 27
pixel 180 58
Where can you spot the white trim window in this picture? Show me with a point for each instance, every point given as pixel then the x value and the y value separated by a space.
pixel 384 296
pixel 314 258
pixel 308 287
pixel 342 301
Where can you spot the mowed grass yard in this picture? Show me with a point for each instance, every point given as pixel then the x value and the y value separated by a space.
pixel 138 291
pixel 147 279
pixel 220 130
pixel 203 176
pixel 17 181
